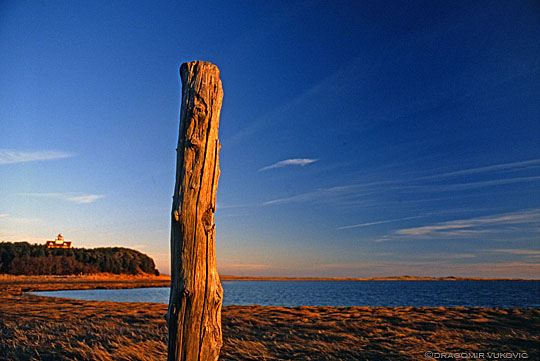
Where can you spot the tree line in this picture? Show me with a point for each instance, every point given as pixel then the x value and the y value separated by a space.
pixel 23 258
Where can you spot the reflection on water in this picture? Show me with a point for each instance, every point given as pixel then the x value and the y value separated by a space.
pixel 343 293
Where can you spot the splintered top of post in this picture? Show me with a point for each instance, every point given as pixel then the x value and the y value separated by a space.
pixel 198 66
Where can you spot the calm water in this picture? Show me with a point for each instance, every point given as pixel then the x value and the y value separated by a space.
pixel 344 293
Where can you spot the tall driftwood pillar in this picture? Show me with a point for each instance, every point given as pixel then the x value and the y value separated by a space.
pixel 194 315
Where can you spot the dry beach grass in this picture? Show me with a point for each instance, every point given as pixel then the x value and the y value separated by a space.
pixel 40 328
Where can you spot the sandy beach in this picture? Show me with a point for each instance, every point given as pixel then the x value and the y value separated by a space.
pixel 43 328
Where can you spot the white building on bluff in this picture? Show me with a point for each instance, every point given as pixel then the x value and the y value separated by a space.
pixel 59 243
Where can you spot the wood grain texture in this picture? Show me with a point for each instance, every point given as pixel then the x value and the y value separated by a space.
pixel 194 314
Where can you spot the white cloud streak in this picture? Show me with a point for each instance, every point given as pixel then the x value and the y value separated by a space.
pixel 513 166
pixel 68 197
pixel 288 162
pixel 482 184
pixel 471 226
pixel 378 222
pixel 333 194
pixel 90 198
pixel 357 194
pixel 521 252
pixel 10 156
pixel 304 197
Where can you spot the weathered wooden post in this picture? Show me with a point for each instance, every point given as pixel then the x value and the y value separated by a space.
pixel 194 314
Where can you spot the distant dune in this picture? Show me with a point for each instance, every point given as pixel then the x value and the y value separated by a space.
pixel 389 278
pixel 110 281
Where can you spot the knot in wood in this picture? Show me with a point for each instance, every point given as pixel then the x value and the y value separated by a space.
pixel 194 143
pixel 217 298
pixel 200 108
pixel 208 219
pixel 176 215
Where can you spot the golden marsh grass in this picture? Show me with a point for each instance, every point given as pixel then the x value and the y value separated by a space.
pixel 43 328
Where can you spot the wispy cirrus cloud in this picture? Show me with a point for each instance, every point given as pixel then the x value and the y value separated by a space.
pixel 88 198
pixel 481 184
pixel 341 193
pixel 501 167
pixel 69 197
pixel 365 192
pixel 378 222
pixel 11 156
pixel 472 226
pixel 303 197
pixel 520 252
pixel 319 194
pixel 288 162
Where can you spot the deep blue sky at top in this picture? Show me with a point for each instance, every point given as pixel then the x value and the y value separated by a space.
pixel 408 131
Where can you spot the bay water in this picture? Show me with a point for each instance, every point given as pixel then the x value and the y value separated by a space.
pixel 342 293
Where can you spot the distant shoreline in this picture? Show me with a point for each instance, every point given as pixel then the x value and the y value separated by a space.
pixel 111 281
pixel 389 278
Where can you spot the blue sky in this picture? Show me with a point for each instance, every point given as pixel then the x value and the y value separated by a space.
pixel 358 139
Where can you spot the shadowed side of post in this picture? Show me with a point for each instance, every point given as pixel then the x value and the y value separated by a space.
pixel 194 314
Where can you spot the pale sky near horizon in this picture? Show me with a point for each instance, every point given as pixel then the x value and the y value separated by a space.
pixel 358 138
